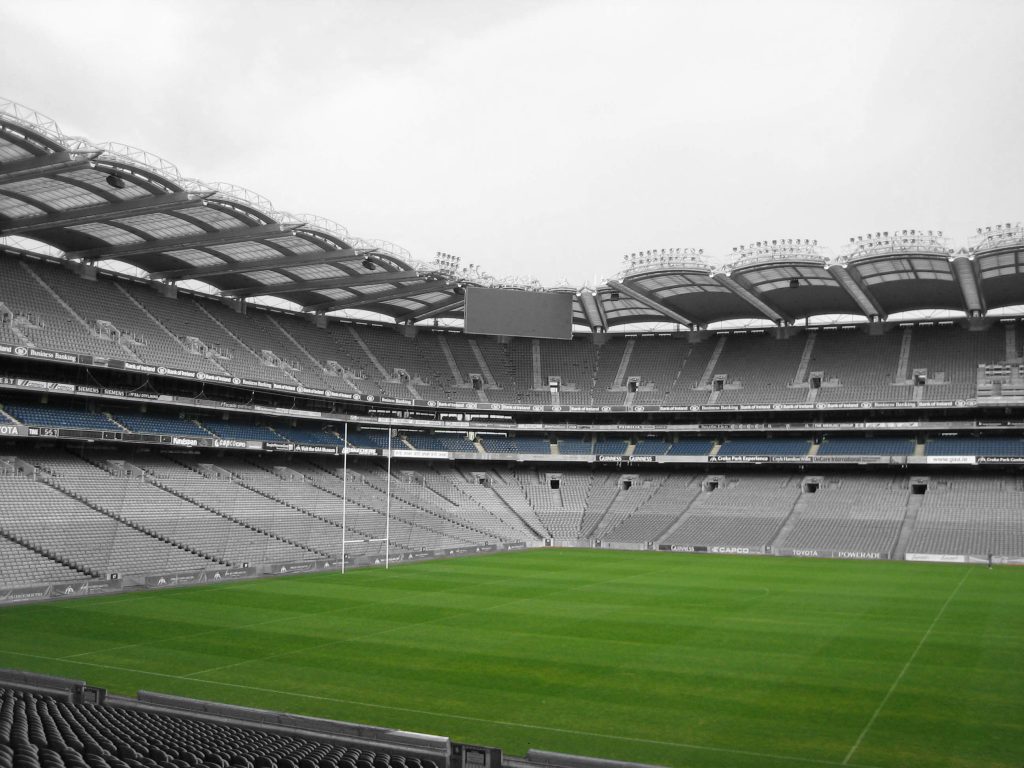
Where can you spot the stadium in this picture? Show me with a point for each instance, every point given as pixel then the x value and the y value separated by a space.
pixel 276 496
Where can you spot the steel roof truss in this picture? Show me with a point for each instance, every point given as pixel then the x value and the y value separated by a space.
pixel 647 299
pixel 431 310
pixel 102 213
pixel 165 245
pixel 857 291
pixel 426 286
pixel 241 267
pixel 45 165
pixel 349 281
pixel 741 288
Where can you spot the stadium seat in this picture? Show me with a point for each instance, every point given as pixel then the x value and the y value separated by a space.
pixel 780 446
pixel 59 416
pixel 42 731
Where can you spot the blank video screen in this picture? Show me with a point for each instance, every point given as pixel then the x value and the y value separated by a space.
pixel 503 312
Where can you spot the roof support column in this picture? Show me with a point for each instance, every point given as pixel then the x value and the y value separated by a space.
pixel 967 279
pixel 751 298
pixel 648 300
pixel 849 284
pixel 593 313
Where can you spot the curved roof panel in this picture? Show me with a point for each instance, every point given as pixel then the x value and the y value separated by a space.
pixel 101 203
pixel 111 202
pixel 796 287
pixel 902 282
pixel 687 294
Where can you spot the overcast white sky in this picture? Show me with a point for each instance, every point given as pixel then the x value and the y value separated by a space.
pixel 551 138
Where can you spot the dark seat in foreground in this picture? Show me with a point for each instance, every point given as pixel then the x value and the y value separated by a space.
pixel 38 730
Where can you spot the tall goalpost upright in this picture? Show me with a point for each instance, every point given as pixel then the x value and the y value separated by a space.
pixel 344 497
pixel 387 507
pixel 344 503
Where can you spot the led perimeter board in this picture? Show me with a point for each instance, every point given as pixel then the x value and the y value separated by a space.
pixel 503 312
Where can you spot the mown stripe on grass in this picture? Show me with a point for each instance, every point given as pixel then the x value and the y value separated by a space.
pixel 899 677
pixel 470 718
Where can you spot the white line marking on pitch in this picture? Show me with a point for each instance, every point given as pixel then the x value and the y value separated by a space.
pixel 906 666
pixel 444 715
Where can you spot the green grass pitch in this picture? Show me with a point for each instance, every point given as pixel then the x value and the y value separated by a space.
pixel 681 660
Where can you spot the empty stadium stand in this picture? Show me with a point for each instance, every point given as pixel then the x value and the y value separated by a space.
pixel 651 447
pixel 970 516
pixel 308 435
pixel 158 424
pixel 975 446
pixel 442 442
pixel 39 318
pixel 373 438
pixel 76 513
pixel 45 513
pixel 578 447
pixel 611 446
pixel 237 430
pixel 46 306
pixel 516 444
pixel 866 446
pixel 777 446
pixel 740 511
pixel 690 446
pixel 847 513
pixel 58 416
pixel 51 729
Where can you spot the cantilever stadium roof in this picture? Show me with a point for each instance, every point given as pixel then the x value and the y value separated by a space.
pixel 99 203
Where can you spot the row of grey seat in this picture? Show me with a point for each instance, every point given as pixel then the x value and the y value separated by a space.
pixel 40 731
pixel 74 516
pixel 53 308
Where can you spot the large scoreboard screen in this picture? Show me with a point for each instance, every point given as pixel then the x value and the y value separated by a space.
pixel 504 312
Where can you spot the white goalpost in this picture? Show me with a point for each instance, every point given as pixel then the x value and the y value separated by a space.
pixel 387 508
pixel 344 505
pixel 344 496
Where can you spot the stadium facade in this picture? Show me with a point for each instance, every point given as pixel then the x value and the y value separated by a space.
pixel 197 387
pixel 241 369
